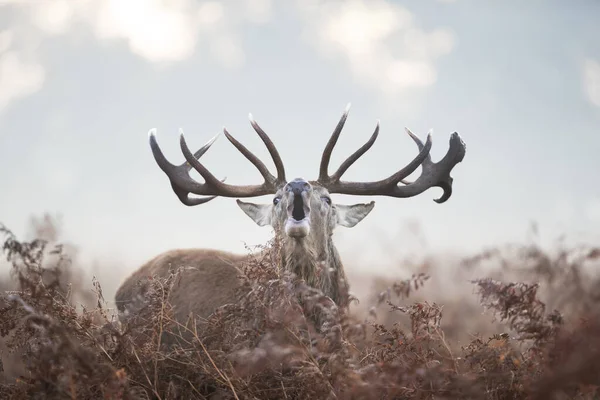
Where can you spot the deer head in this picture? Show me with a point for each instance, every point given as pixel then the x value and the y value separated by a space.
pixel 301 211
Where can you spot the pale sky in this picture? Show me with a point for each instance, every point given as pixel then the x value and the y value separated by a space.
pixel 83 81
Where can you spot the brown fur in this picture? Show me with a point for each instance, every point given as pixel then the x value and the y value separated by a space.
pixel 210 277
pixel 207 281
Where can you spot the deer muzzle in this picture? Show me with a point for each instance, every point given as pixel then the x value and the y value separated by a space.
pixel 298 209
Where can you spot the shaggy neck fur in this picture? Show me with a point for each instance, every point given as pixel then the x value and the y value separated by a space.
pixel 320 269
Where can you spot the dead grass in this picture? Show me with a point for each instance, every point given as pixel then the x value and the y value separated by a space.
pixel 286 340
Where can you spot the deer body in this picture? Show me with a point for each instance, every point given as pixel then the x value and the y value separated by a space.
pixel 301 213
pixel 209 280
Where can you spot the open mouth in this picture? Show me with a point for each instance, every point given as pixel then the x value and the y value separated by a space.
pixel 297 224
pixel 298 208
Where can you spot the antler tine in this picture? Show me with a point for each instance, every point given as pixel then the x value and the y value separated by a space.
pixel 262 168
pixel 411 167
pixel 178 175
pixel 356 155
pixel 272 150
pixel 326 157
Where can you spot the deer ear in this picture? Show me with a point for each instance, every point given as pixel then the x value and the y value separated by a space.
pixel 349 216
pixel 260 213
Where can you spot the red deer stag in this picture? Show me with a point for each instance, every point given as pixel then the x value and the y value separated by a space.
pixel 301 212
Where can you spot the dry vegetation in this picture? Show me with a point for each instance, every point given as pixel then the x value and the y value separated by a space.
pixel 288 341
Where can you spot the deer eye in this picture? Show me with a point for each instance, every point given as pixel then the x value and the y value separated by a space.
pixel 276 200
pixel 326 200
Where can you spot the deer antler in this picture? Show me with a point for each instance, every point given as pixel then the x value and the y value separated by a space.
pixel 183 184
pixel 433 174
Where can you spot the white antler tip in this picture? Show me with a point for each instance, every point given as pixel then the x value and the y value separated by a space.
pixel 348 107
pixel 411 134
pixel 181 132
pixel 212 140
pixel 152 132
pixel 250 117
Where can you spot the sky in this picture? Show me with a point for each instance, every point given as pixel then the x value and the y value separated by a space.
pixel 83 81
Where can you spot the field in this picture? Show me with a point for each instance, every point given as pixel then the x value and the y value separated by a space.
pixel 514 322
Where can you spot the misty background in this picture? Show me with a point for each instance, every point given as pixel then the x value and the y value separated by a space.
pixel 82 82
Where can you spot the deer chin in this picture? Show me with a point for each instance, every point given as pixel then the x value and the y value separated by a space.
pixel 297 229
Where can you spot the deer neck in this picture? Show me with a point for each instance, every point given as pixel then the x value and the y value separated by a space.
pixel 338 282
pixel 318 266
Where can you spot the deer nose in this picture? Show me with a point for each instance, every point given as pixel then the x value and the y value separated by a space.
pixel 297 186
